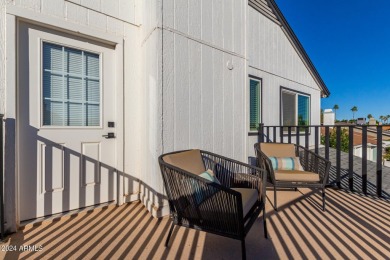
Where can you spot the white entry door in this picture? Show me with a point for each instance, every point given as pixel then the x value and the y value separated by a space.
pixel 67 122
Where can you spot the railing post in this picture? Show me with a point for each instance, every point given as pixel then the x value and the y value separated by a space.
pixel 379 161
pixel 268 140
pixel 338 156
pixel 260 137
pixel 297 135
pixel 307 137
pixel 327 142
pixel 364 159
pixel 2 230
pixel 274 133
pixel 289 134
pixel 350 159
pixel 281 134
pixel 316 137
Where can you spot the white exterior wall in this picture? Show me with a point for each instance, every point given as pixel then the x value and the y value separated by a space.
pixel 204 101
pixel 371 152
pixel 2 54
pixel 104 20
pixel 179 92
pixel 272 57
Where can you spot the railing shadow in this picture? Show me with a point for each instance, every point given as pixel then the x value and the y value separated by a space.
pixel 345 230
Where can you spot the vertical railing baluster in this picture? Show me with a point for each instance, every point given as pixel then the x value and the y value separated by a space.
pixel 297 135
pixel 281 134
pixel 2 229
pixel 327 142
pixel 338 156
pixel 379 162
pixel 316 139
pixel 350 159
pixel 268 134
pixel 260 137
pixel 289 134
pixel 364 159
pixel 307 137
pixel 274 134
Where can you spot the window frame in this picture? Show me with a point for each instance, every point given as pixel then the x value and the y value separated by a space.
pixel 41 71
pixel 296 93
pixel 260 81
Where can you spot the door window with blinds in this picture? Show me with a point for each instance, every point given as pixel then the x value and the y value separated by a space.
pixel 71 86
pixel 295 108
pixel 254 103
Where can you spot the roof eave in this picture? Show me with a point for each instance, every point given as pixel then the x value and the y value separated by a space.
pixel 297 44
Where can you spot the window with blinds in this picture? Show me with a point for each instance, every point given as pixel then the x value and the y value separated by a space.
pixel 254 104
pixel 295 109
pixel 71 86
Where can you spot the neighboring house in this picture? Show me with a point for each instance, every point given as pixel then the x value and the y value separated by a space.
pixel 94 91
pixel 361 121
pixel 372 143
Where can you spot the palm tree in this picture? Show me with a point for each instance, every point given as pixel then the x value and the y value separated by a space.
pixel 382 118
pixel 354 109
pixel 369 116
pixel 335 108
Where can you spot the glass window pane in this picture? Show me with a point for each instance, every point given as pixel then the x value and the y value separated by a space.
pixel 288 109
pixel 71 81
pixel 75 112
pixel 74 88
pixel 52 57
pixel 303 110
pixel 52 85
pixel 73 61
pixel 53 113
pixel 93 112
pixel 92 90
pixel 92 65
pixel 254 104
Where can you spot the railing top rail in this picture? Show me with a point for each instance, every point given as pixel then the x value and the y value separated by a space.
pixel 324 125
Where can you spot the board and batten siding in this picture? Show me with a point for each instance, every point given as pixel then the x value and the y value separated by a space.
pixel 101 19
pixel 203 100
pixel 270 50
pixel 271 104
pixel 2 55
pixel 273 58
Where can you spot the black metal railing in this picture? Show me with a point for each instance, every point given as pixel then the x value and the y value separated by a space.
pixel 2 230
pixel 341 139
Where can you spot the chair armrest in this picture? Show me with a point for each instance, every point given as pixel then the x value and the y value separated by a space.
pixel 314 163
pixel 263 162
pixel 232 173
pixel 201 204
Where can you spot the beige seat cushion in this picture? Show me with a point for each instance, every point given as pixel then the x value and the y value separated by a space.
pixel 278 150
pixel 249 198
pixel 296 176
pixel 190 161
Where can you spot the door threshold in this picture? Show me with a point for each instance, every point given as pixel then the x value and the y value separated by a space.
pixel 59 216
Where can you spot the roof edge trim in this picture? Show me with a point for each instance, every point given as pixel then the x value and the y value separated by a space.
pixel 298 45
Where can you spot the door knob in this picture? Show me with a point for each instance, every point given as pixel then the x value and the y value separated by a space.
pixel 109 135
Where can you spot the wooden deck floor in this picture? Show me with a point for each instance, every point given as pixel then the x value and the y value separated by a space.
pixel 353 227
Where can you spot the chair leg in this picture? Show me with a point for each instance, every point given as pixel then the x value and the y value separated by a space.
pixel 296 189
pixel 323 199
pixel 265 225
pixel 275 207
pixel 243 249
pixel 169 234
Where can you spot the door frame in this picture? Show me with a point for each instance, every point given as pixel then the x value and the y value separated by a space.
pixel 14 16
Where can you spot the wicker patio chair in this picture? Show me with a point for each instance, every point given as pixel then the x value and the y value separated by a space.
pixel 315 174
pixel 227 209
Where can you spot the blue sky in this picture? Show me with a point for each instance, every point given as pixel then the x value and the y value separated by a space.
pixel 349 43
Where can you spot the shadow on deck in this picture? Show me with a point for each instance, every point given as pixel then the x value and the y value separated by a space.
pixel 353 226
